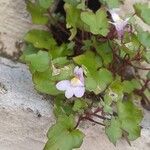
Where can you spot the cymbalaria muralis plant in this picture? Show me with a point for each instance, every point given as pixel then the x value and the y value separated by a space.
pixel 88 59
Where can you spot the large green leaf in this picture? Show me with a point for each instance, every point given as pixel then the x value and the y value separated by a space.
pixel 40 39
pixel 113 130
pixel 97 22
pixel 37 12
pixel 130 117
pixel 63 136
pixel 143 11
pixel 38 62
pixel 46 3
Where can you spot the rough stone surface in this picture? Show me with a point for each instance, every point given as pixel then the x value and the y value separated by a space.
pixel 21 126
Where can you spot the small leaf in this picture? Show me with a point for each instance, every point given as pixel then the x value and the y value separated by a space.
pixel 147 56
pixel 72 2
pixel 90 60
pixel 80 105
pixel 116 89
pixel 104 50
pixel 143 11
pixel 148 75
pixel 37 12
pixel 63 131
pixel 60 61
pixel 28 50
pixel 46 3
pixel 98 81
pixel 61 51
pixel 40 39
pixel 130 86
pixel 62 107
pixel 97 22
pixel 39 62
pixel 144 38
pixel 72 18
pixel 64 73
pixel 44 84
pixel 112 3
pixel 114 131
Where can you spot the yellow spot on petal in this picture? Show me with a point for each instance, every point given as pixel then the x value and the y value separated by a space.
pixel 75 81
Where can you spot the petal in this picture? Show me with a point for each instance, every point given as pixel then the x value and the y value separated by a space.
pixel 63 85
pixel 76 69
pixel 69 93
pixel 79 73
pixel 79 91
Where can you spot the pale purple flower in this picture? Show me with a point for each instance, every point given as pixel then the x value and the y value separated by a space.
pixel 119 23
pixel 75 86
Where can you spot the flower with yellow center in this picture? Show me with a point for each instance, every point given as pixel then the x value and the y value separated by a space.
pixel 75 86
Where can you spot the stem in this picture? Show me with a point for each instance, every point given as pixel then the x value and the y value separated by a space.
pixel 87 118
pixel 101 117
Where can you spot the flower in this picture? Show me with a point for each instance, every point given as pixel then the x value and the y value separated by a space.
pixel 75 86
pixel 119 23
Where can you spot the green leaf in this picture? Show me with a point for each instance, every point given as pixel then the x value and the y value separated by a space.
pixel 116 89
pixel 147 56
pixel 61 51
pixel 130 86
pixel 130 117
pixel 148 75
pixel 72 18
pixel 37 12
pixel 62 107
pixel 97 22
pixel 28 50
pixel 89 60
pixel 39 62
pixel 72 2
pixel 104 50
pixel 143 11
pixel 44 84
pixel 40 39
pixel 112 3
pixel 144 38
pixel 113 130
pixel 98 81
pixel 46 3
pixel 64 73
pixel 63 131
pixel 79 105
pixel 60 61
